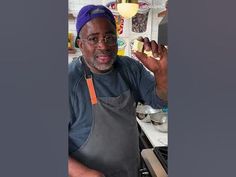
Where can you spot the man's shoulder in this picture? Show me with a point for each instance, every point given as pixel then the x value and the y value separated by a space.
pixel 75 67
pixel 75 70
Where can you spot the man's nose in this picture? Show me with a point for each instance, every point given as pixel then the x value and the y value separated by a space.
pixel 102 44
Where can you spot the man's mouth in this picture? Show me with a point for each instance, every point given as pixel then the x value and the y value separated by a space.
pixel 103 59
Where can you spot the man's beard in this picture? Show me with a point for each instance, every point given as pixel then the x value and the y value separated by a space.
pixel 103 67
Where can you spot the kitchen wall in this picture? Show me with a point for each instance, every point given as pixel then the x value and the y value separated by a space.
pixel 127 35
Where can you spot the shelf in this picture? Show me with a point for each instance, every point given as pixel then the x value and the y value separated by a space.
pixel 72 51
pixel 162 14
pixel 71 16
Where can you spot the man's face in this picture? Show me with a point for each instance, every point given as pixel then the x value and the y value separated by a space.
pixel 98 44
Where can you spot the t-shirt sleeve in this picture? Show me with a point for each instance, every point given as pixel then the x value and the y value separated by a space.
pixel 74 77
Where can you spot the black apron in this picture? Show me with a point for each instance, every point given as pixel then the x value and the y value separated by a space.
pixel 112 146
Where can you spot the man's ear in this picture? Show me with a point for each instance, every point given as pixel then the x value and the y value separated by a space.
pixel 80 43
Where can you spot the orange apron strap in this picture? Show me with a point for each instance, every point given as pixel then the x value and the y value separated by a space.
pixel 91 89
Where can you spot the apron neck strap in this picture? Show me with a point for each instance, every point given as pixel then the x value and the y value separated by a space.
pixel 89 81
pixel 87 71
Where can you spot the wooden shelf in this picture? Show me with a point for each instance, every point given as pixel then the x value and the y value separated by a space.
pixel 71 16
pixel 162 14
pixel 72 51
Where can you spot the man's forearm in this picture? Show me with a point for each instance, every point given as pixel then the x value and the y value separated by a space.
pixel 162 86
pixel 77 169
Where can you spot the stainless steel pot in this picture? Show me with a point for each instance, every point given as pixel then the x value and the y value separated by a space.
pixel 160 121
pixel 143 112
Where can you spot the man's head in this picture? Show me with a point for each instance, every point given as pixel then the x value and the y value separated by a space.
pixel 97 38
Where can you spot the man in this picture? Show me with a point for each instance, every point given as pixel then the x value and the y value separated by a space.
pixel 103 91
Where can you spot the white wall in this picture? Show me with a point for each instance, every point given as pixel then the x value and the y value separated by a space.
pixel 127 35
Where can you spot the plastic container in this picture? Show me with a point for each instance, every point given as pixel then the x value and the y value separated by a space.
pixel 119 19
pixel 139 21
pixel 121 46
pixel 131 48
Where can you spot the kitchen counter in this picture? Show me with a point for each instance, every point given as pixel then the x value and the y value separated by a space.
pixel 155 137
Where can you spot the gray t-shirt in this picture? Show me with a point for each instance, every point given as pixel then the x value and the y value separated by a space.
pixel 126 74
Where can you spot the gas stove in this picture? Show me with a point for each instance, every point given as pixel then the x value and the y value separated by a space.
pixel 162 155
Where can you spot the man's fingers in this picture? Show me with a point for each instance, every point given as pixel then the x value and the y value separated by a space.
pixel 141 56
pixel 147 44
pixel 154 49
pixel 162 50
pixel 148 48
pixel 140 38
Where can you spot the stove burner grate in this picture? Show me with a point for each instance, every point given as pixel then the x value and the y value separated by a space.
pixel 162 155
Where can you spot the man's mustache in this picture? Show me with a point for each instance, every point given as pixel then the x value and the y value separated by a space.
pixel 109 53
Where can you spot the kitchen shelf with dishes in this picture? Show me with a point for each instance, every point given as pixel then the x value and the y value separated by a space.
pixel 71 48
pixel 72 51
pixel 71 16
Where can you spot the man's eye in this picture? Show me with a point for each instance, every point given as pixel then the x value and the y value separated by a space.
pixel 110 38
pixel 93 39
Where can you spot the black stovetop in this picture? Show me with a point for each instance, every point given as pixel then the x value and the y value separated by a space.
pixel 162 155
